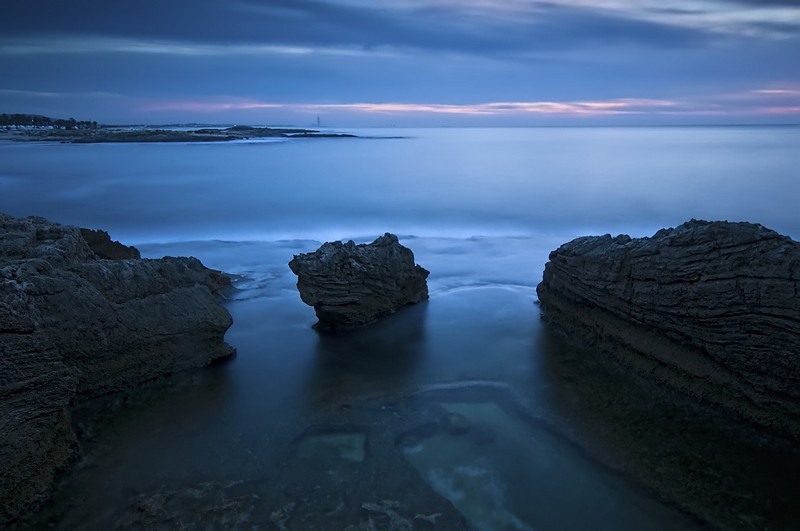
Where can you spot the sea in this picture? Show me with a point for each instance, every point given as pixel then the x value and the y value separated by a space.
pixel 562 438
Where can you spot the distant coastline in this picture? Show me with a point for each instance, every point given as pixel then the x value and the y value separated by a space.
pixel 35 128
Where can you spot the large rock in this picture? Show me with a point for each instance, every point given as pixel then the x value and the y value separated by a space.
pixel 710 308
pixel 104 247
pixel 74 327
pixel 352 285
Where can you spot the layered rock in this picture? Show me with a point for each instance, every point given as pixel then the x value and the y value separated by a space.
pixel 74 327
pixel 352 285
pixel 710 308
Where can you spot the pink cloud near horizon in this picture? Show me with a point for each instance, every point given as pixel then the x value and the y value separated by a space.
pixel 596 108
pixel 753 102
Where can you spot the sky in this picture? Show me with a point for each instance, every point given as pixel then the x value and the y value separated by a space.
pixel 401 63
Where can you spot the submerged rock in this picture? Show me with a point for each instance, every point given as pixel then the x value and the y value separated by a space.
pixel 74 327
pixel 709 308
pixel 207 505
pixel 352 285
pixel 455 423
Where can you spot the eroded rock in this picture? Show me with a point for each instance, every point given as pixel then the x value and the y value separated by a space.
pixel 710 308
pixel 74 327
pixel 103 246
pixel 352 285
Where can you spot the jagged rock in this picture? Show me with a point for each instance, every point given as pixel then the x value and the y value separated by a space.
pixel 710 308
pixel 74 327
pixel 103 246
pixel 352 285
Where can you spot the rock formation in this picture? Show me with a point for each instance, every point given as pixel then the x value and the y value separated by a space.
pixel 74 327
pixel 710 308
pixel 103 246
pixel 352 285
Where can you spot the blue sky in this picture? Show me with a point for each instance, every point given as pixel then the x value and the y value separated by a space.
pixel 404 62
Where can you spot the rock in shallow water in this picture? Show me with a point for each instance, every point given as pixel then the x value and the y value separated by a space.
pixel 74 327
pixel 352 285
pixel 710 308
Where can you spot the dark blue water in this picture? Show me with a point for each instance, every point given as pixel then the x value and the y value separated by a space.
pixel 481 209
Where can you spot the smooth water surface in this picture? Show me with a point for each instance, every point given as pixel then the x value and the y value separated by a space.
pixel 481 209
pixel 431 182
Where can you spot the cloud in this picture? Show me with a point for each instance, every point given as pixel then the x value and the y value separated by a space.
pixel 576 108
pixel 587 108
pixel 778 92
pixel 30 93
pixel 524 57
pixel 763 3
pixel 475 28
pixel 209 106
pixel 472 27
pixel 750 102
pixel 770 103
pixel 124 45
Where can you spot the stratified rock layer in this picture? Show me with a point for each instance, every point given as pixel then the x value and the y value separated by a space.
pixel 710 308
pixel 74 327
pixel 352 285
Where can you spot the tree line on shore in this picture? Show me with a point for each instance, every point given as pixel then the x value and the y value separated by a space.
pixel 35 120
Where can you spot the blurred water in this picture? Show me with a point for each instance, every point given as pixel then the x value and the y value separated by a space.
pixel 431 182
pixel 481 209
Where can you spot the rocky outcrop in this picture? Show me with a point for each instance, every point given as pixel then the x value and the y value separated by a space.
pixel 103 246
pixel 74 327
pixel 111 134
pixel 710 308
pixel 352 285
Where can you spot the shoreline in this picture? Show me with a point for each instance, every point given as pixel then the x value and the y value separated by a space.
pixel 105 134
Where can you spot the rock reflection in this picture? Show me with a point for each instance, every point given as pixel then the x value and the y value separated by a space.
pixel 378 359
pixel 717 468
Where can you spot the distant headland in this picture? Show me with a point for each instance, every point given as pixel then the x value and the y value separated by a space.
pixel 31 127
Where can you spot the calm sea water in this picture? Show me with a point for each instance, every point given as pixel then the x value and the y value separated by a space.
pixel 481 209
pixel 432 182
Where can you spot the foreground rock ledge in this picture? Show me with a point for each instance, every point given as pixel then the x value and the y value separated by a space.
pixel 352 285
pixel 75 326
pixel 709 308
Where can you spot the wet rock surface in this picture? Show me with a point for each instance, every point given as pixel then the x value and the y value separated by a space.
pixel 74 327
pixel 353 285
pixel 709 308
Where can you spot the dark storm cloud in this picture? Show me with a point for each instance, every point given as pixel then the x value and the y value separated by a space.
pixel 123 60
pixel 540 26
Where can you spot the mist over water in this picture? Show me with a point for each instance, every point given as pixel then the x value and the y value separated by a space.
pixel 481 209
pixel 443 182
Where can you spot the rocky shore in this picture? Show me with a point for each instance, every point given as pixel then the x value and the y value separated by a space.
pixel 103 134
pixel 353 285
pixel 76 324
pixel 707 308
